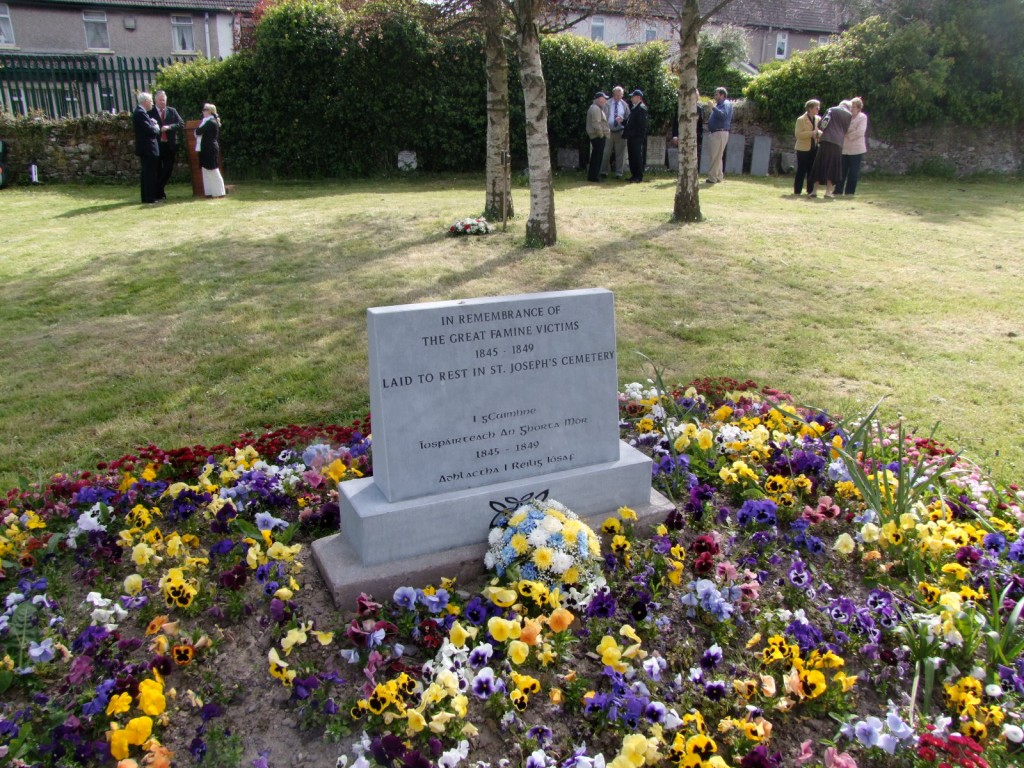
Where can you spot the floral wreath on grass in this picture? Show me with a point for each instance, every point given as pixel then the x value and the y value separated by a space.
pixel 547 553
pixel 470 227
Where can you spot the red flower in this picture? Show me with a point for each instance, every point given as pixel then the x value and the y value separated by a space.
pixel 704 563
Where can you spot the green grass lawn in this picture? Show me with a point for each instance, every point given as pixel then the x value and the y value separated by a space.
pixel 193 321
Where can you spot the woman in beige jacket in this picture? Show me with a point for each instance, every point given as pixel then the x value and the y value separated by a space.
pixel 807 133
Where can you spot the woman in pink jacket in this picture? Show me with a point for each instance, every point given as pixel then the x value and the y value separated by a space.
pixel 855 146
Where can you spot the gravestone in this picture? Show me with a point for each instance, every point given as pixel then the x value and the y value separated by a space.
pixel 734 154
pixel 762 156
pixel 705 157
pixel 787 162
pixel 407 160
pixel 656 152
pixel 568 159
pixel 478 406
pixel 673 158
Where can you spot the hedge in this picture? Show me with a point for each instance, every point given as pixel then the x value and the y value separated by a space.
pixel 329 93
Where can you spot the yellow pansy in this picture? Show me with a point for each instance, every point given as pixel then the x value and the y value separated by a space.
pixel 151 697
pixel 279 551
pixel 122 702
pixel 844 544
pixel 501 596
pixel 518 651
pixel 503 629
pixel 295 636
pixel 133 584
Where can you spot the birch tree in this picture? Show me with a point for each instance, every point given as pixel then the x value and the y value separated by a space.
pixel 691 16
pixel 540 225
pixel 498 202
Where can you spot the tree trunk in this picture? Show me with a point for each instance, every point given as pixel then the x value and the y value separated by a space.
pixel 499 198
pixel 540 226
pixel 687 202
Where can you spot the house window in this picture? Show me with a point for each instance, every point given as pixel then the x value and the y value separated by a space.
pixel 651 35
pixel 181 34
pixel 781 45
pixel 823 39
pixel 96 30
pixel 6 28
pixel 597 28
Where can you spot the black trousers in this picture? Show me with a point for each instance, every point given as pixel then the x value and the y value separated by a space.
pixel 635 149
pixel 804 163
pixel 851 174
pixel 596 157
pixel 167 158
pixel 149 175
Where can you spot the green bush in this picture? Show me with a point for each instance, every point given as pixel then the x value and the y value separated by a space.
pixel 957 63
pixel 718 51
pixel 324 92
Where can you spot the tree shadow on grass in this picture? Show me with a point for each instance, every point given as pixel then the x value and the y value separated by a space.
pixel 91 209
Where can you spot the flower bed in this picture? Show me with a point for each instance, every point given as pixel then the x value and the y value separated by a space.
pixel 825 593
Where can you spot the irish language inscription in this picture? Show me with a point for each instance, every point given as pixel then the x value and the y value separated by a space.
pixel 476 392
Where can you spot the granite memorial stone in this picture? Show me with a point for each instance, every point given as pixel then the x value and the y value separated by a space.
pixel 761 156
pixel 478 406
pixel 734 154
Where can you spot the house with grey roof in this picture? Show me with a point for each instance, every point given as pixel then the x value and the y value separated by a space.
pixel 122 27
pixel 73 57
pixel 774 28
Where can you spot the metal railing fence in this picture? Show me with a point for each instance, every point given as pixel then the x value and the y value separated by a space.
pixel 74 85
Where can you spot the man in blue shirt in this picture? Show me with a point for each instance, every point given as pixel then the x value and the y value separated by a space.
pixel 717 128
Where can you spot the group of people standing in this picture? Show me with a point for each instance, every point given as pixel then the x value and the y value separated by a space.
pixel 829 148
pixel 617 130
pixel 156 128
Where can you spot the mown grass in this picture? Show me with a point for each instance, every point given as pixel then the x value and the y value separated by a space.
pixel 196 320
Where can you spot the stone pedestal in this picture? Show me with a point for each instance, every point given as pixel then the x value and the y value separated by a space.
pixel 346 576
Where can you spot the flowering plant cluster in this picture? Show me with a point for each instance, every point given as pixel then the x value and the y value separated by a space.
pixel 122 585
pixel 848 581
pixel 470 227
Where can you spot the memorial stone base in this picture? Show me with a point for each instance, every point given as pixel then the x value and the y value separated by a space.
pixel 418 541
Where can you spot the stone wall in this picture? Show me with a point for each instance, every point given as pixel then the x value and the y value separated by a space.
pixel 960 151
pixel 102 148
pixel 97 147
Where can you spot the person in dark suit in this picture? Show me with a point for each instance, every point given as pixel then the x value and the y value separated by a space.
pixel 170 123
pixel 635 134
pixel 147 147
pixel 208 149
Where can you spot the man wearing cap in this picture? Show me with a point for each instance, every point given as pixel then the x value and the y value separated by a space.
pixel 635 134
pixel 598 131
pixel 617 112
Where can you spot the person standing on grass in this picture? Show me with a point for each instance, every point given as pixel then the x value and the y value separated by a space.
pixel 617 111
pixel 635 134
pixel 807 133
pixel 719 124
pixel 170 123
pixel 208 150
pixel 147 147
pixel 855 146
pixel 828 162
pixel 598 131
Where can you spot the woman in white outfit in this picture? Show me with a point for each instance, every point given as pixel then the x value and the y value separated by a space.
pixel 209 151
